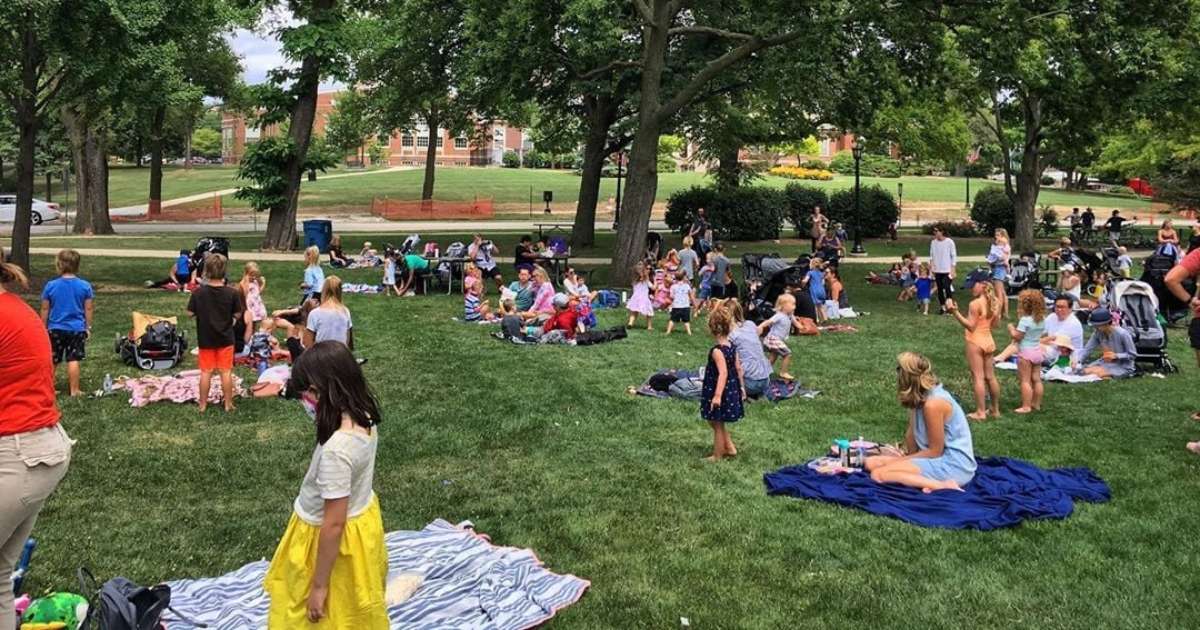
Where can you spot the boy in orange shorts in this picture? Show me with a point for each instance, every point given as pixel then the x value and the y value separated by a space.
pixel 216 307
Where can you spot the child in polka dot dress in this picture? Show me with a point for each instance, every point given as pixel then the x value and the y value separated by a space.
pixel 724 389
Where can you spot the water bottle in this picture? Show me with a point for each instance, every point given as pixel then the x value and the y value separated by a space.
pixel 108 384
pixel 624 297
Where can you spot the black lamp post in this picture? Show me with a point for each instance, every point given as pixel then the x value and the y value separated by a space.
pixel 617 208
pixel 857 150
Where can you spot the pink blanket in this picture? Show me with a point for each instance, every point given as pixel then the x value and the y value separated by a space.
pixel 181 388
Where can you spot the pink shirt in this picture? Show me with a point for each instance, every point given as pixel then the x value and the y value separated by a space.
pixel 543 301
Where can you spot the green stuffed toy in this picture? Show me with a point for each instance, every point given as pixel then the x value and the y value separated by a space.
pixel 56 611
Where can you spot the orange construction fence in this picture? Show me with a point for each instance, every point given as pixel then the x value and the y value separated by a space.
pixel 430 209
pixel 207 210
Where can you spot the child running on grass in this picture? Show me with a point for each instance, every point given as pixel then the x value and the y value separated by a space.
pixel 724 387
pixel 814 281
pixel 982 316
pixel 67 313
pixel 777 328
pixel 706 279
pixel 330 568
pixel 682 297
pixel 216 308
pixel 639 303
pixel 924 288
pixel 314 276
pixel 1031 309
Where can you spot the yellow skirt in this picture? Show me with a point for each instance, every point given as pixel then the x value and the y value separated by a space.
pixel 356 586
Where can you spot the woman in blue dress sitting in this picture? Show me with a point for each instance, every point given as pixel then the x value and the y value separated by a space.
pixel 937 452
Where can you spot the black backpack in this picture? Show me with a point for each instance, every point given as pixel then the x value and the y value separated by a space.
pixel 123 605
pixel 159 336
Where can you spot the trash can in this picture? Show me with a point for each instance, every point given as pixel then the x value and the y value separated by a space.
pixel 318 232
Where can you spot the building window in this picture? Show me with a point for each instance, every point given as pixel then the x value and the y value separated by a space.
pixel 253 134
pixel 460 143
pixel 423 141
pixel 438 142
pixel 406 141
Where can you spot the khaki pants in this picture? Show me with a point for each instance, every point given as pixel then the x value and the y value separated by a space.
pixel 31 465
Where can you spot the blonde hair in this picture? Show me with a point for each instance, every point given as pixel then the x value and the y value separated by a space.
pixel 924 268
pixel 470 268
pixel 720 322
pixel 914 379
pixel 688 242
pixel 67 261
pixel 312 256
pixel 815 263
pixel 642 271
pixel 12 274
pixel 1001 234
pixel 991 303
pixel 336 241
pixel 251 270
pixel 1030 302
pixel 783 300
pixel 331 293
pixel 541 275
pixel 735 310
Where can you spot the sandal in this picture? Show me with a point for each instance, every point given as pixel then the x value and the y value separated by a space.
pixel 1194 447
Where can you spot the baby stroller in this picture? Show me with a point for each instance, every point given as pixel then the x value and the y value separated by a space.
pixel 760 297
pixel 756 267
pixel 1154 273
pixel 1139 315
pixel 154 343
pixel 1110 265
pixel 1023 273
pixel 654 243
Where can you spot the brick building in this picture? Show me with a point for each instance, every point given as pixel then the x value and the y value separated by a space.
pixel 483 148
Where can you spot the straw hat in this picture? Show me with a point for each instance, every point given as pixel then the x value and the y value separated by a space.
pixel 1063 341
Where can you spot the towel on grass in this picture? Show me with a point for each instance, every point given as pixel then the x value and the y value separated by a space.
pixel 1004 493
pixel 777 390
pixel 183 387
pixel 468 583
pixel 1055 373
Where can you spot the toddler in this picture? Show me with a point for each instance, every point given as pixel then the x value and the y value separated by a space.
pixel 815 283
pixel 1124 262
pixel 681 303
pixel 777 328
pixel 1031 309
pixel 924 288
pixel 67 313
pixel 724 389
pixel 639 303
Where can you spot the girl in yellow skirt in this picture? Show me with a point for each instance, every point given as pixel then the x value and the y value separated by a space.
pixel 331 566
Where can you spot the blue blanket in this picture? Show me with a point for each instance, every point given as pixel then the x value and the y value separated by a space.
pixel 1004 493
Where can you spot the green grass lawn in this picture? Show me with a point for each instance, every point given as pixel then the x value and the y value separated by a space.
pixel 543 448
pixel 130 186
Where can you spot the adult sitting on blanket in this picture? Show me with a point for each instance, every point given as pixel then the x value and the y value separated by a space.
pixel 543 298
pixel 756 369
pixel 337 258
pixel 523 290
pixel 1117 350
pixel 938 454
pixel 563 324
pixel 412 268
pixel 1061 322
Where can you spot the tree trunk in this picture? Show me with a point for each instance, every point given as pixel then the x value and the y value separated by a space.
pixel 137 149
pixel 729 169
pixel 432 122
pixel 281 226
pixel 91 171
pixel 1029 178
pixel 156 155
pixel 27 122
pixel 187 148
pixel 601 114
pixel 642 184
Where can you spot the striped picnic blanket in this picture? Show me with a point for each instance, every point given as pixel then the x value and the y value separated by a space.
pixel 469 583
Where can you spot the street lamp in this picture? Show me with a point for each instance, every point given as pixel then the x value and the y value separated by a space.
pixel 617 209
pixel 857 150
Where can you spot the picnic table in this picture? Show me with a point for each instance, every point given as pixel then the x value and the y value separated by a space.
pixel 456 263
pixel 561 227
pixel 558 263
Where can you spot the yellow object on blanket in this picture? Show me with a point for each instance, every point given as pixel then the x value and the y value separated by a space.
pixel 142 321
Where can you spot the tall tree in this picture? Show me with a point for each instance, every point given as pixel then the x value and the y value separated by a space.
pixel 1051 71
pixel 409 63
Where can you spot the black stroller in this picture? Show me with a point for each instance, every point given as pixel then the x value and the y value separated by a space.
pixel 1023 273
pixel 1139 315
pixel 761 296
pixel 1154 273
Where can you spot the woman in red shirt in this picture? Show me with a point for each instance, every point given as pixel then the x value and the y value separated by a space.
pixel 34 448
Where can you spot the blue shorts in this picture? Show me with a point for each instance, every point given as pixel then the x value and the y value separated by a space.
pixel 999 273
pixel 944 468
pixel 756 387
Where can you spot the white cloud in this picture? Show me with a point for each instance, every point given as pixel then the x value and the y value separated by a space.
pixel 260 51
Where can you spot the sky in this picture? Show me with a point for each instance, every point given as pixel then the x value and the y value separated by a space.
pixel 259 51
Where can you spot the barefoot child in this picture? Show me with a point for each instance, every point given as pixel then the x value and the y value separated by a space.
pixel 389 275
pixel 937 454
pixel 252 285
pixel 1031 309
pixel 682 297
pixel 330 569
pixel 777 328
pixel 67 314
pixel 924 288
pixel 216 308
pixel 815 282
pixel 982 315
pixel 639 303
pixel 724 390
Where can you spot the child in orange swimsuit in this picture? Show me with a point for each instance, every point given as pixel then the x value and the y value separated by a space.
pixel 983 314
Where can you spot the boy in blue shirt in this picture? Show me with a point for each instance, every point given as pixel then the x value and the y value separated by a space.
pixel 67 311
pixel 924 288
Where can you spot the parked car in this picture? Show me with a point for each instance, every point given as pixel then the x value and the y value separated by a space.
pixel 42 210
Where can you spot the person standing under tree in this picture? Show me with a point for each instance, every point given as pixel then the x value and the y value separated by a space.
pixel 943 256
pixel 698 233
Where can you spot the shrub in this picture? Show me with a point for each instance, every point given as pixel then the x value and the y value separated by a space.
pixel 799 203
pixel 992 209
pixel 953 229
pixel 979 169
pixel 535 159
pixel 815 165
pixel 745 213
pixel 666 164
pixel 872 165
pixel 879 210
pixel 1048 181
pixel 1048 222
pixel 510 159
pixel 796 172
pixel 1125 191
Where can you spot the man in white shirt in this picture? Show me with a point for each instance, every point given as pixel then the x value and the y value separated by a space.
pixel 943 256
pixel 1063 322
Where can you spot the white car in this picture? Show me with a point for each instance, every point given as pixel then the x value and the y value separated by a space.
pixel 42 210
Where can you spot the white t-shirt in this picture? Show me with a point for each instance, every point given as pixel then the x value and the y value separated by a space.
pixel 943 255
pixel 330 324
pixel 1069 327
pixel 780 325
pixel 344 466
pixel 681 295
